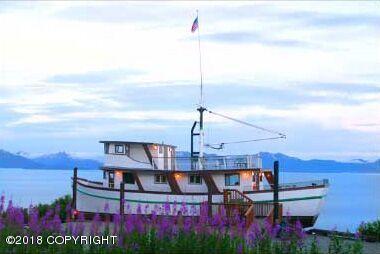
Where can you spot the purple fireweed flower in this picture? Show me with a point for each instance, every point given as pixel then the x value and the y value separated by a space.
pixel 95 225
pixel 187 225
pixel 193 210
pixel 146 209
pixel 154 216
pixel 106 207
pixel 163 227
pixel 166 208
pixel 139 209
pixel 56 223
pixel 128 224
pixel 68 210
pixel 79 225
pixel 116 221
pixel 33 222
pixel 183 208
pixel 2 202
pixel 174 208
pixel 1 224
pixel 298 229
pixel 139 225
pixel 128 208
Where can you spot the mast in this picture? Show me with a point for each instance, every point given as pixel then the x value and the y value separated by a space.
pixel 201 109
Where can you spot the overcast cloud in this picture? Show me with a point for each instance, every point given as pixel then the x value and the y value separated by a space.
pixel 73 73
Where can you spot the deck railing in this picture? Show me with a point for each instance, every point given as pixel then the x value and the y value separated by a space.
pixel 212 162
pixel 292 185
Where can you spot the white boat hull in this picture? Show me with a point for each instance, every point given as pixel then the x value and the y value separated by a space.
pixel 303 203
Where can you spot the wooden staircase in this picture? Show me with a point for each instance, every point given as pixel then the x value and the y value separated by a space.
pixel 236 201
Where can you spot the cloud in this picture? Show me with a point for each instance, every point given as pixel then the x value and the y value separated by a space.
pixel 255 37
pixel 95 77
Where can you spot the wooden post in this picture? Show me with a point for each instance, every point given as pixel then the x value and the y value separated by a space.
pixel 209 201
pixel 275 192
pixel 122 205
pixel 75 179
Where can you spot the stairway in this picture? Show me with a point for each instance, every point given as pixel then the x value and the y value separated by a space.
pixel 235 200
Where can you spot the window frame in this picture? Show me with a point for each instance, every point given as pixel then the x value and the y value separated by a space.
pixel 163 179
pixel 195 175
pixel 226 176
pixel 119 145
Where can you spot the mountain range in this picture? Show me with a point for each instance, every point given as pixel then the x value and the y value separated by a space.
pixel 63 160
pixel 60 160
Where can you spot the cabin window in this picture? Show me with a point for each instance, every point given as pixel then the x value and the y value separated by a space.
pixel 159 149
pixel 127 150
pixel 128 178
pixel 111 179
pixel 160 178
pixel 106 148
pixel 104 174
pixel 119 149
pixel 232 179
pixel 195 179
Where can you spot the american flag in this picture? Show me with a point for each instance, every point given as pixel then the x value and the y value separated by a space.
pixel 195 25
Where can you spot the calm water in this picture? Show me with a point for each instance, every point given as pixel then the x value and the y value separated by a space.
pixel 352 197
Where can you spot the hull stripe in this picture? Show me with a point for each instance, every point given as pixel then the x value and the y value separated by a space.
pixel 194 203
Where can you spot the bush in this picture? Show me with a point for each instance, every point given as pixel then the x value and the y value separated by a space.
pixel 63 203
pixel 370 230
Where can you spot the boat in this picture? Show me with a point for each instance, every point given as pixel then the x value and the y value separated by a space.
pixel 142 177
pixel 139 177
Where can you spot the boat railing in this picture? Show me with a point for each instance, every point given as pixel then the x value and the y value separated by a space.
pixel 292 185
pixel 90 183
pixel 213 162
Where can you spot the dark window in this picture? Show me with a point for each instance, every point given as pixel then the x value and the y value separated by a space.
pixel 159 149
pixel 160 178
pixel 106 148
pixel 127 150
pixel 111 179
pixel 128 178
pixel 119 149
pixel 104 174
pixel 195 179
pixel 232 179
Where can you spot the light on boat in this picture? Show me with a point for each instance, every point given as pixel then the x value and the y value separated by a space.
pixel 155 147
pixel 118 173
pixel 177 176
pixel 246 174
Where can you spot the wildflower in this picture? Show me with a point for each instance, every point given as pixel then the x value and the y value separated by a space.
pixel 106 207
pixel 95 225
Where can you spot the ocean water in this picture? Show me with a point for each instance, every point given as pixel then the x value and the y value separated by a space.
pixel 352 197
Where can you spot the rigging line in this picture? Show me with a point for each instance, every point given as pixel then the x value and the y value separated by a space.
pixel 249 124
pixel 244 141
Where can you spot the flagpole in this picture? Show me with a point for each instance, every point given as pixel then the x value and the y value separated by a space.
pixel 201 109
pixel 200 61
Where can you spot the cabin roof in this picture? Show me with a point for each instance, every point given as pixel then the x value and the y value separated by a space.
pixel 134 142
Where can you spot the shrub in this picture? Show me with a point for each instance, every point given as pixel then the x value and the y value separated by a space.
pixel 370 230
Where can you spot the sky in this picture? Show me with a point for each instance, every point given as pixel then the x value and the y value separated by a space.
pixel 74 73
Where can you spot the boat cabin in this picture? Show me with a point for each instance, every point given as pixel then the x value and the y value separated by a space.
pixel 149 167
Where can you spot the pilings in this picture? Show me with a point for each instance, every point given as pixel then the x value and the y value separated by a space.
pixel 276 216
pixel 122 189
pixel 75 179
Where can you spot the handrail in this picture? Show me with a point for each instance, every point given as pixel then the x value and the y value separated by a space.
pixel 94 182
